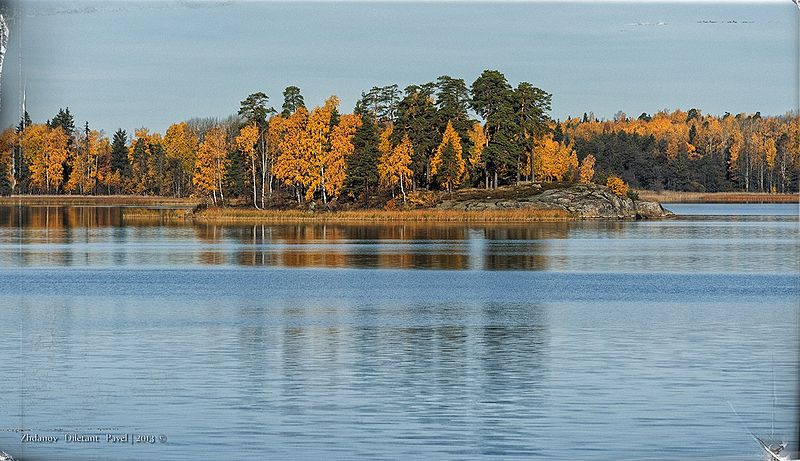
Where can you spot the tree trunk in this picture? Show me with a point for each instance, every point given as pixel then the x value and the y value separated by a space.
pixel 263 151
pixel 324 195
pixel 747 174
pixel 253 168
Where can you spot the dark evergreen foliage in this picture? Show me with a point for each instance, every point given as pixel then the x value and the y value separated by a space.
pixel 362 165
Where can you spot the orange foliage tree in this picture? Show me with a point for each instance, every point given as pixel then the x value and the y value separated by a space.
pixel 292 165
pixel 180 147
pixel 211 164
pixel 246 144
pixel 334 162
pixel 394 163
pixel 587 169
pixel 617 185
pixel 477 142
pixel 45 150
pixel 448 163
pixel 555 160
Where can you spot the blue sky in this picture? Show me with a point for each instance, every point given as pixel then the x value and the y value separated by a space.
pixel 133 64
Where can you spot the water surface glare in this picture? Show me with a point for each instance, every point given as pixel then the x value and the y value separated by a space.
pixel 585 340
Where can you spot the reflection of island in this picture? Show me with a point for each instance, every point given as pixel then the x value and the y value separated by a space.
pixel 76 235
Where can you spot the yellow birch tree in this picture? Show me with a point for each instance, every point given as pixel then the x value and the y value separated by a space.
pixel 246 144
pixel 211 164
pixel 393 164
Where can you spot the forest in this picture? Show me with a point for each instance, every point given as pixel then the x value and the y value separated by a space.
pixel 440 135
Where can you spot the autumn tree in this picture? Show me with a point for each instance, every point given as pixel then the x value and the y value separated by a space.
pixel 587 169
pixel 246 143
pixel 255 109
pixel 211 163
pixel 477 142
pixel 91 146
pixel 292 165
pixel 318 130
pixel 394 163
pixel 448 163
pixel 555 160
pixel 147 160
pixel 617 185
pixel 45 150
pixel 104 175
pixel 341 148
pixel 180 147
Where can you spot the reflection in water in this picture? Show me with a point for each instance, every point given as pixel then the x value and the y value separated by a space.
pixel 91 236
pixel 188 339
pixel 103 236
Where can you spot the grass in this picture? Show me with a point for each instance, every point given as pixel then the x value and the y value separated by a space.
pixel 237 215
pixel 717 197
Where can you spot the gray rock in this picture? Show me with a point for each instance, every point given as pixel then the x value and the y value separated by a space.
pixel 588 201
pixel 649 210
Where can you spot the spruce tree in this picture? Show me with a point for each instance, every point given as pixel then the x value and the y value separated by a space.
pixel 119 154
pixel 236 176
pixel 362 166
pixel 65 121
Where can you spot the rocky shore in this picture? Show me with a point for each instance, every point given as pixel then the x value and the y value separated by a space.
pixel 584 201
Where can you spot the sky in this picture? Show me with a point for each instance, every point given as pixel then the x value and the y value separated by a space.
pixel 129 64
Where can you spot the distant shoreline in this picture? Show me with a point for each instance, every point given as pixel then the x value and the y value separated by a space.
pixel 717 197
pixel 101 200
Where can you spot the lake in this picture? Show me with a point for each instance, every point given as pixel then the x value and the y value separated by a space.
pixel 582 340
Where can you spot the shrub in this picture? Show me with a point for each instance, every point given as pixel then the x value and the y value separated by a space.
pixel 617 186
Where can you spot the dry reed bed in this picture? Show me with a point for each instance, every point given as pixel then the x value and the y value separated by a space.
pixel 717 197
pixel 229 215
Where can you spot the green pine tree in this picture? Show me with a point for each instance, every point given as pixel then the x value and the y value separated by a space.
pixel 361 177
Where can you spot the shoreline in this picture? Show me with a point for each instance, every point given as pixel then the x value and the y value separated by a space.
pixel 192 202
pixel 195 210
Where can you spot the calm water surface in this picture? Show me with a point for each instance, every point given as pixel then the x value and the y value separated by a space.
pixel 586 340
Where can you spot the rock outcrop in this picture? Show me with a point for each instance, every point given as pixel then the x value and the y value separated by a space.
pixel 586 201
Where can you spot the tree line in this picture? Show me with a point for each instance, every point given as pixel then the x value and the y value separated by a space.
pixel 440 135
pixel 690 151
